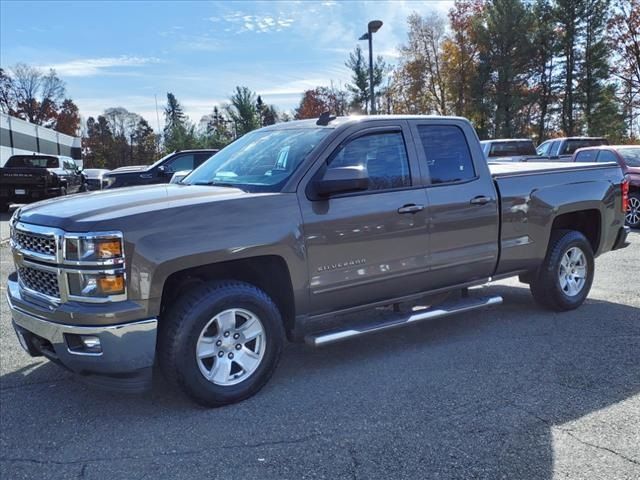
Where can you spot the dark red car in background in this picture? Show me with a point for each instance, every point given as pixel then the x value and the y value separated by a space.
pixel 628 157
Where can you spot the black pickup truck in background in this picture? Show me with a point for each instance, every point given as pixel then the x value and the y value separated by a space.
pixel 159 172
pixel 562 149
pixel 29 178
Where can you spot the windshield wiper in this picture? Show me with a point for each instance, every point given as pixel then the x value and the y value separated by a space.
pixel 220 184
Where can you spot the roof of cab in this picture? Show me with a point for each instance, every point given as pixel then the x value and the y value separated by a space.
pixel 339 121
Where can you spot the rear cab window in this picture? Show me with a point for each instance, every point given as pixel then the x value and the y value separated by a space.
pixel 572 145
pixel 511 149
pixel 607 156
pixel 587 156
pixel 31 161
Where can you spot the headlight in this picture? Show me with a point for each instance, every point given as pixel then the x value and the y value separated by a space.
pixel 105 248
pixel 96 285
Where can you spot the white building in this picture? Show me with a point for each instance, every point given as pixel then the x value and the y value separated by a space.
pixel 19 137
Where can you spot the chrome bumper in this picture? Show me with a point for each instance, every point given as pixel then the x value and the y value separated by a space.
pixel 126 347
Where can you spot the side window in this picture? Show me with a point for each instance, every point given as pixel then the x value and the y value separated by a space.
pixel 183 162
pixel 384 155
pixel 544 148
pixel 586 156
pixel 447 153
pixel 607 156
pixel 555 147
pixel 201 158
pixel 67 165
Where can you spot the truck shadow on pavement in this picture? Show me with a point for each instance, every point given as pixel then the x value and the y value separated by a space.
pixel 510 392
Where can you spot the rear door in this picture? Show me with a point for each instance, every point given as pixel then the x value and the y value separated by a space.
pixel 463 204
pixel 372 245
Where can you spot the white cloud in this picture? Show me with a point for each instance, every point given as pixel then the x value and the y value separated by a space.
pixel 96 66
pixel 243 22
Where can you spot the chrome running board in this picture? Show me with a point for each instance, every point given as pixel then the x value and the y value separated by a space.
pixel 443 310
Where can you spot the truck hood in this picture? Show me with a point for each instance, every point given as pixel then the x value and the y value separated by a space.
pixel 130 169
pixel 107 209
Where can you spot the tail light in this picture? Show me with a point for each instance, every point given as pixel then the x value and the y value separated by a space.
pixel 624 187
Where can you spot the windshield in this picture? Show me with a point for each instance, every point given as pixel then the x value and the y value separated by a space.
pixel 259 161
pixel 631 156
pixel 158 162
pixel 32 161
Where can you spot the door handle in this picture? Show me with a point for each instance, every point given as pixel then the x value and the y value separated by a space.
pixel 480 200
pixel 412 208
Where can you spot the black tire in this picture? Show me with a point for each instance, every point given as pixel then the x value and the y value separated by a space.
pixel 180 329
pixel 632 216
pixel 545 285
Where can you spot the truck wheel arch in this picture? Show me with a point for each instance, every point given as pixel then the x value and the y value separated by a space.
pixel 588 222
pixel 270 273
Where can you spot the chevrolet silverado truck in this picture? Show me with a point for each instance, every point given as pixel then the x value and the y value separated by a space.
pixel 29 178
pixel 296 231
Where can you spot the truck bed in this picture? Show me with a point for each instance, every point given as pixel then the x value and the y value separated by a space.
pixel 509 169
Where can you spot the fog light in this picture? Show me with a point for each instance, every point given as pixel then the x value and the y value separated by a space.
pixel 89 344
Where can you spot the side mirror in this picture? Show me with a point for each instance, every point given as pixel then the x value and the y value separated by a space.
pixel 162 171
pixel 341 180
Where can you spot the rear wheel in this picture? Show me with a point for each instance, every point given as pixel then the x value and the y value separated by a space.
pixel 221 342
pixel 632 217
pixel 564 279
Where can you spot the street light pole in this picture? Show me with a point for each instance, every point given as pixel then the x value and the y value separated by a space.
pixel 372 27
pixel 371 92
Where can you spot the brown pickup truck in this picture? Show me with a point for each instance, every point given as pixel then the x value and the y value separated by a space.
pixel 287 233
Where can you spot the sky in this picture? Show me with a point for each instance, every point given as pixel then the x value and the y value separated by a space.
pixel 125 53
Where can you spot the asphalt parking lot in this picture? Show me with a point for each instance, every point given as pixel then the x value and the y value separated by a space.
pixel 513 392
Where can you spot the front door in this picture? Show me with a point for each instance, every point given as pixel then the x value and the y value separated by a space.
pixel 368 246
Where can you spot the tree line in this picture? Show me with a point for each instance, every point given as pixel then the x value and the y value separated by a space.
pixel 515 68
pixel 538 68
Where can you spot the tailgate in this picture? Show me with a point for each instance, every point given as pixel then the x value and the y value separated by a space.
pixel 23 176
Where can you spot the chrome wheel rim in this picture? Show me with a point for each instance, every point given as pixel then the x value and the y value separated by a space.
pixel 633 211
pixel 572 273
pixel 231 346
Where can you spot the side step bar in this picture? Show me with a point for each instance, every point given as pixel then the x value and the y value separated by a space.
pixel 443 310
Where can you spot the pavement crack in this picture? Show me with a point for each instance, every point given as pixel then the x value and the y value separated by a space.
pixel 599 447
pixel 574 436
pixel 355 464
pixel 87 461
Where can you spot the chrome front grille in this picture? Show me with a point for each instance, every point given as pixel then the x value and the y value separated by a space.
pixel 31 242
pixel 39 281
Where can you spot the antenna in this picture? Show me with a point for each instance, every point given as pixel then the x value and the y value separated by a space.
pixel 157 114
pixel 324 119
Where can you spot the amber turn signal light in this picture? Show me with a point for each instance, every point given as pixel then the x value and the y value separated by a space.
pixel 111 284
pixel 109 248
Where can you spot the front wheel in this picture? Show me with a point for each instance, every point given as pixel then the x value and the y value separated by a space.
pixel 221 342
pixel 564 279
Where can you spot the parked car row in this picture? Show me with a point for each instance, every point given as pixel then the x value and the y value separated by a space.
pixel 29 178
pixel 574 149
pixel 628 157
pixel 523 149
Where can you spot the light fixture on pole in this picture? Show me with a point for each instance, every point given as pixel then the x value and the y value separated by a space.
pixel 372 27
